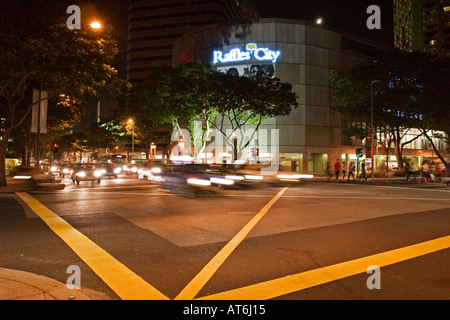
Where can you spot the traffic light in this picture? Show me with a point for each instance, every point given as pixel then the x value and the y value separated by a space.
pixel 359 153
pixel 54 147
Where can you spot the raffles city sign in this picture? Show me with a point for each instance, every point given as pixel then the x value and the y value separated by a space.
pixel 251 51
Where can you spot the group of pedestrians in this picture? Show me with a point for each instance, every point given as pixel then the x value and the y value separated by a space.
pixel 341 168
pixel 428 172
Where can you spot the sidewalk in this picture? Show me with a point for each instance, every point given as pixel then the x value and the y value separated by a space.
pixel 20 285
pixel 400 181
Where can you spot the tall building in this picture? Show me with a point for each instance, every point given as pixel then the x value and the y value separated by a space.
pixel 422 25
pixel 154 25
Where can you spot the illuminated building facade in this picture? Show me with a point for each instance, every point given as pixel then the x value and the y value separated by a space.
pixel 422 25
pixel 300 53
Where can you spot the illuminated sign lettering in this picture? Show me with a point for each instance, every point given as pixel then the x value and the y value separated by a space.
pixel 252 50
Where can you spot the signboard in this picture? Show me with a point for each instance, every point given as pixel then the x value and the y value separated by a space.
pixel 251 52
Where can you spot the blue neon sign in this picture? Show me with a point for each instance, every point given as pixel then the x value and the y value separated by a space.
pixel 251 51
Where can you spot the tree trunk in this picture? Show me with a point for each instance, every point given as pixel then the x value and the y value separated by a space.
pixel 3 146
pixel 438 153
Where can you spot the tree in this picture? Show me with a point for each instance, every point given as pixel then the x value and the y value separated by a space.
pixel 410 95
pixel 38 51
pixel 182 96
pixel 242 101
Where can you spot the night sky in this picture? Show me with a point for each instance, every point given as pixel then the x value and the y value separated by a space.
pixel 346 15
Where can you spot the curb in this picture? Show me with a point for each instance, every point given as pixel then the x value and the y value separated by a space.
pixel 21 285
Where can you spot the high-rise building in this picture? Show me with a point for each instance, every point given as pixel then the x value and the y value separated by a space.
pixel 154 25
pixel 422 25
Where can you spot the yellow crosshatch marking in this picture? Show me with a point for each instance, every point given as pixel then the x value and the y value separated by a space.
pixel 118 277
pixel 297 282
pixel 191 290
pixel 130 286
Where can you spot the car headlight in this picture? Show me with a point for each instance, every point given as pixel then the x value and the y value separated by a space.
pixel 198 182
pixel 232 177
pixel 156 170
pixel 117 170
pixel 227 182
pixel 253 177
pixel 66 171
pixel 134 169
pixel 98 173
pixel 81 174
pixel 54 169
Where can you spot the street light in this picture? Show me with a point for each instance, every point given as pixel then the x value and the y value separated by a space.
pixel 96 25
pixel 131 122
pixel 372 129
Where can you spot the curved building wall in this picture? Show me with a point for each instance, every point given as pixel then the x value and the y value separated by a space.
pixel 311 135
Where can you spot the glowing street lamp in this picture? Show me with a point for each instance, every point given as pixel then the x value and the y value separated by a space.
pixel 131 122
pixel 96 25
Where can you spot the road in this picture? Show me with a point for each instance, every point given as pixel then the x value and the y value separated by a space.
pixel 314 240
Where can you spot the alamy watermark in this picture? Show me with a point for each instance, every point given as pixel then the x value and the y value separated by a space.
pixel 74 280
pixel 374 21
pixel 74 20
pixel 374 281
pixel 231 146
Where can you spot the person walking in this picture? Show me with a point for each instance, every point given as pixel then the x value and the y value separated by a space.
pixel 351 169
pixel 425 172
pixel 438 174
pixel 363 172
pixel 328 171
pixel 337 169
pixel 407 169
pixel 344 169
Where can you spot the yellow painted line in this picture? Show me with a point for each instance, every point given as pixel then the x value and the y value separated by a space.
pixel 118 277
pixel 198 282
pixel 293 283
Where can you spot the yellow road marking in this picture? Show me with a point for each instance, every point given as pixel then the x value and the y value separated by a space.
pixel 197 283
pixel 118 277
pixel 297 282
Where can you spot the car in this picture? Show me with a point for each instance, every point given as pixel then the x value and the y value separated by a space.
pixel 151 171
pixel 187 180
pixel 130 168
pixel 64 169
pixel 86 172
pixel 108 170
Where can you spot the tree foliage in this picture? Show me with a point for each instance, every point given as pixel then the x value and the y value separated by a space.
pixel 412 93
pixel 38 51
pixel 182 96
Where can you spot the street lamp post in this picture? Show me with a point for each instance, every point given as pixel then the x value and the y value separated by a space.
pixel 130 121
pixel 372 129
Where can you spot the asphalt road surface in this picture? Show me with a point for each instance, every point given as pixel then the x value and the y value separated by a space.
pixel 314 240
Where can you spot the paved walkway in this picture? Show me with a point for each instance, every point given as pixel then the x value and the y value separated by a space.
pixel 20 285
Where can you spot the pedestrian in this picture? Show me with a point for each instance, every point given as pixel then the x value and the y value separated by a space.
pixel 413 170
pixel 438 174
pixel 351 169
pixel 407 169
pixel 363 172
pixel 328 171
pixel 425 172
pixel 447 173
pixel 344 167
pixel 337 169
